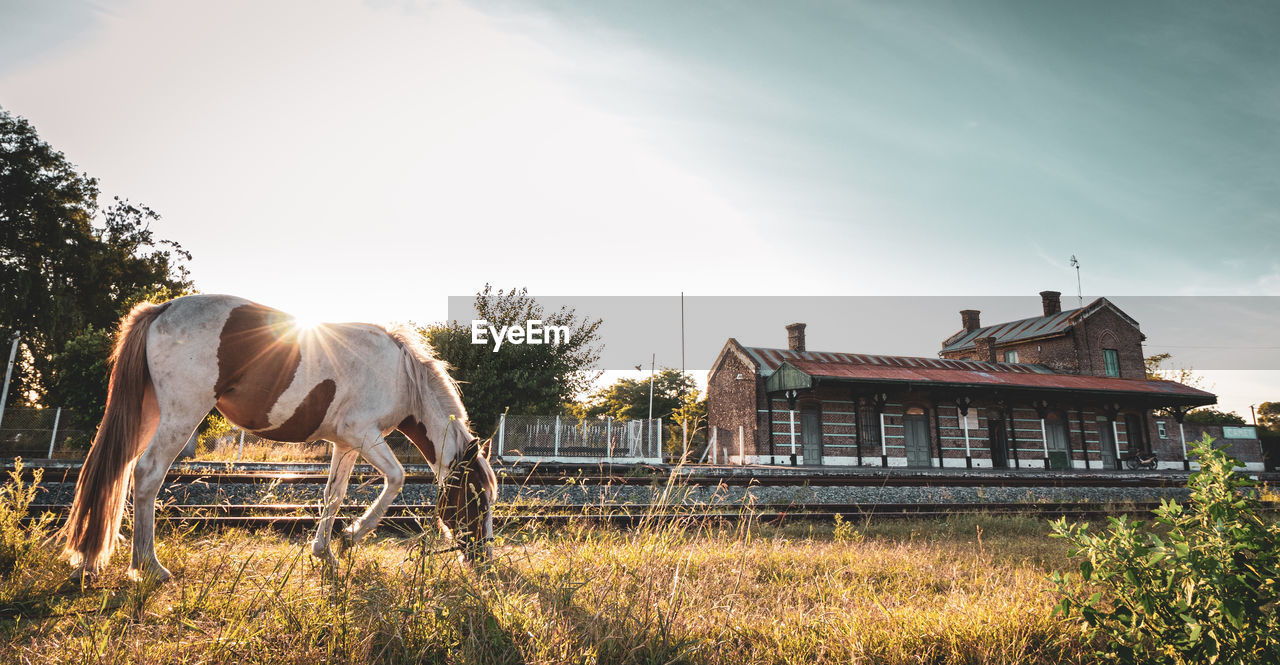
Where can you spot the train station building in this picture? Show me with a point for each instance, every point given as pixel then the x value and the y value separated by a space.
pixel 1065 389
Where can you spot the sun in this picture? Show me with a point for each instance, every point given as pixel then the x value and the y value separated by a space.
pixel 304 323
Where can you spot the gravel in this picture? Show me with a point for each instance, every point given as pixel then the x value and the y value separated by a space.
pixel 201 492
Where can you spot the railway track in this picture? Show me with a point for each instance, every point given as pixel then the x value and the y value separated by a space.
pixel 694 477
pixel 288 517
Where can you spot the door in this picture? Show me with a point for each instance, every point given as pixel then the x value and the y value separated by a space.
pixel 1107 443
pixel 811 435
pixel 1059 448
pixel 998 440
pixel 916 424
pixel 1134 434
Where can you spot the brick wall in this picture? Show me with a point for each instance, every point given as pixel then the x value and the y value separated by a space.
pixel 1107 330
pixel 731 403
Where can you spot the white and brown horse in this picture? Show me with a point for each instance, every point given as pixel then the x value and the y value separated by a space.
pixel 350 384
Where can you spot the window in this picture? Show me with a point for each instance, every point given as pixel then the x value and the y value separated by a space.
pixel 1161 430
pixel 1111 362
pixel 1011 356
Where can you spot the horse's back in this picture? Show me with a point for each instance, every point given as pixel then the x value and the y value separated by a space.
pixel 264 372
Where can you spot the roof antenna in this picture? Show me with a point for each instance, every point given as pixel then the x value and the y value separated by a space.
pixel 1075 263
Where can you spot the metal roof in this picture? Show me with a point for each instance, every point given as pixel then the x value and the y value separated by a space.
pixel 1016 331
pixel 770 359
pixel 1030 328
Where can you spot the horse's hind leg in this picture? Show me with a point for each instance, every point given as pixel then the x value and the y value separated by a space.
pixel 380 456
pixel 174 423
pixel 344 458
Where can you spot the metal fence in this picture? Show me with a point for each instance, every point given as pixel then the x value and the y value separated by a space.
pixel 41 433
pixel 44 433
pixel 566 439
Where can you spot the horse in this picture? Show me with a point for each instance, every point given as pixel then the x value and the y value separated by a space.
pixel 350 384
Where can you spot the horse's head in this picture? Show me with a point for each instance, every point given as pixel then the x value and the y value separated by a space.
pixel 465 505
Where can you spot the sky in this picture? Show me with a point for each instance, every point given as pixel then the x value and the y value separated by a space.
pixel 364 161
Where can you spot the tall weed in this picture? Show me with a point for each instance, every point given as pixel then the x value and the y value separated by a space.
pixel 19 542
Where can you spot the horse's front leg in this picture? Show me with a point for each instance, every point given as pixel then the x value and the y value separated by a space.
pixel 380 456
pixel 340 465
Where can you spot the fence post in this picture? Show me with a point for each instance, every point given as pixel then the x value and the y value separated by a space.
pixel 742 453
pixel 8 374
pixel 57 416
pixel 555 445
pixel 608 439
pixel 711 446
pixel 502 432
pixel 658 437
pixel 240 454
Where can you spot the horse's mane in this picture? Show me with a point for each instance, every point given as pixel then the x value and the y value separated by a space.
pixel 429 375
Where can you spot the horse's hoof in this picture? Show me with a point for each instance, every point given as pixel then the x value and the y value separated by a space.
pixel 328 559
pixel 156 575
pixel 346 540
pixel 83 576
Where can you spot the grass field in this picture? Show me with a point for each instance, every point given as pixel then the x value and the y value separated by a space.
pixel 964 590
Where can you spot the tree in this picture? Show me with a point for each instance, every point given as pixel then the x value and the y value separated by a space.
pixel 689 420
pixel 628 399
pixel 675 401
pixel 66 263
pixel 1211 416
pixel 1269 415
pixel 1183 375
pixel 79 379
pixel 525 378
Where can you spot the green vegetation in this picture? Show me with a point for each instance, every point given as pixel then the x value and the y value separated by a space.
pixel 19 542
pixel 525 378
pixel 1199 585
pixel 675 401
pixel 70 268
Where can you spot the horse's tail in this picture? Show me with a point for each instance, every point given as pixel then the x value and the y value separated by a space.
pixel 98 507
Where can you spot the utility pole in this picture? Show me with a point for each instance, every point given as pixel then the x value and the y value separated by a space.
pixel 8 373
pixel 684 424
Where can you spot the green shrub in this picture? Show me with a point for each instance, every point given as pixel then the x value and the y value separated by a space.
pixel 18 541
pixel 1199 585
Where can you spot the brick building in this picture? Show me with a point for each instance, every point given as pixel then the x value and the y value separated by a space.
pixel 1065 389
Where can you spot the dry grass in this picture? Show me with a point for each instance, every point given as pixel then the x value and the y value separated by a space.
pixel 967 590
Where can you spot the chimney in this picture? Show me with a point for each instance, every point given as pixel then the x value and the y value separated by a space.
pixel 795 337
pixel 969 318
pixel 1052 301
pixel 985 347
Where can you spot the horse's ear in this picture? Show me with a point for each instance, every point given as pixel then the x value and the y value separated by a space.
pixel 485 446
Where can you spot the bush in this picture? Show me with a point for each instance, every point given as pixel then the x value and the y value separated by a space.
pixel 19 542
pixel 1197 586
